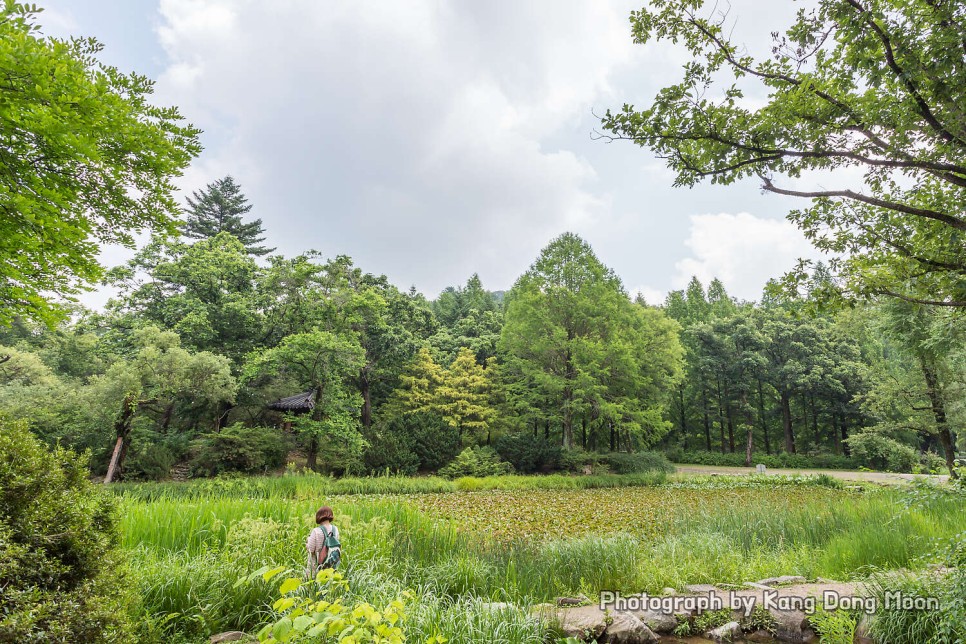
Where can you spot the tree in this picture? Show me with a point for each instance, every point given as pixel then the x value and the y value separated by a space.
pixel 204 291
pixel 327 363
pixel 85 160
pixel 219 209
pixel 464 396
pixel 574 349
pixel 158 373
pixel 872 85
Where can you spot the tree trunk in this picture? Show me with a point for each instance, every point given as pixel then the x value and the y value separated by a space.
pixel 166 418
pixel 731 427
pixel 312 456
pixel 366 391
pixel 707 419
pixel 121 429
pixel 583 432
pixel 721 421
pixel 939 412
pixel 684 417
pixel 223 410
pixel 568 393
pixel 845 434
pixel 761 417
pixel 787 423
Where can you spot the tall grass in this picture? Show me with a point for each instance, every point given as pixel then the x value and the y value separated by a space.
pixel 189 550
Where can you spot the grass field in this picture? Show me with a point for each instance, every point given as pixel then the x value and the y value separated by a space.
pixel 513 539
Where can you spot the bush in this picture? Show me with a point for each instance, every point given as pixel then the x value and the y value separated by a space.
pixel 476 461
pixel 531 454
pixel 390 452
pixel 238 448
pixel 781 460
pixel 625 463
pixel 59 577
pixel 880 452
pixel 433 441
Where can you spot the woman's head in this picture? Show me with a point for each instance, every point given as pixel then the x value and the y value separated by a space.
pixel 324 514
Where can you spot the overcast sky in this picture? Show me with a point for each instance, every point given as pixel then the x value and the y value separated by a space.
pixel 430 140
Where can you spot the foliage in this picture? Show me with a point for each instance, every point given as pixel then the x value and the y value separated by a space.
pixel 623 463
pixel 476 461
pixel 87 160
pixel 59 576
pixel 882 453
pixel 312 611
pixel 834 627
pixel 238 448
pixel 218 209
pixel 782 460
pixel 874 86
pixel 530 454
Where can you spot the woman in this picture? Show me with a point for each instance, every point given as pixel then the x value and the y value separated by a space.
pixel 324 544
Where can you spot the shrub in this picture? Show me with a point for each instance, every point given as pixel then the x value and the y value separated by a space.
pixel 633 463
pixel 238 448
pixel 390 452
pixel 530 454
pixel 433 441
pixel 881 452
pixel 781 460
pixel 476 461
pixel 58 568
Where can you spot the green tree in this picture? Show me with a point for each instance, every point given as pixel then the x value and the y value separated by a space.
pixel 328 364
pixel 871 85
pixel 219 209
pixel 61 579
pixel 204 291
pixel 463 396
pixel 157 375
pixel 86 160
pixel 573 349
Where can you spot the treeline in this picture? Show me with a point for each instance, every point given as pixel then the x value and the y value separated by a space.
pixel 210 327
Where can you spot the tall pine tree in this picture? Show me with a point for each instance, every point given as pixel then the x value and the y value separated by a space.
pixel 219 208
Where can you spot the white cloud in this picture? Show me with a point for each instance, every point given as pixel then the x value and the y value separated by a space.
pixel 409 130
pixel 742 250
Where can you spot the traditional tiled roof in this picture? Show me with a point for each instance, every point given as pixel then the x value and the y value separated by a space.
pixel 304 401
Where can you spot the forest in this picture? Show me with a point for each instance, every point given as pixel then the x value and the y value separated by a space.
pixel 498 462
pixel 208 328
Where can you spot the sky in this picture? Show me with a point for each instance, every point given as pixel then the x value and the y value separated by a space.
pixel 431 140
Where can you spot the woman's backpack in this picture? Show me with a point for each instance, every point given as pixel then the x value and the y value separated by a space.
pixel 331 552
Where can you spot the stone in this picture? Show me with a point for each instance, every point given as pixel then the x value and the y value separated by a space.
pixel 702 589
pixel 669 591
pixel 792 626
pixel 658 622
pixel 760 635
pixel 862 631
pixel 785 580
pixel 495 607
pixel 729 632
pixel 624 628
pixel 760 468
pixel 582 622
pixel 572 601
pixel 229 636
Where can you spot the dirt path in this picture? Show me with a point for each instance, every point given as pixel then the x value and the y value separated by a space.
pixel 846 475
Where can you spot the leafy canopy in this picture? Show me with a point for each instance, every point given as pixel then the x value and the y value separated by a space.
pixel 876 86
pixel 85 160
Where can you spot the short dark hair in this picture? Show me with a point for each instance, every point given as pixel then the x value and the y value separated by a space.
pixel 325 512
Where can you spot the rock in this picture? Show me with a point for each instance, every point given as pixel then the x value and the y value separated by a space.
pixel 495 607
pixel 229 636
pixel 701 588
pixel 624 628
pixel 785 580
pixel 792 626
pixel 727 633
pixel 657 622
pixel 583 622
pixel 669 591
pixel 572 601
pixel 862 631
pixel 759 636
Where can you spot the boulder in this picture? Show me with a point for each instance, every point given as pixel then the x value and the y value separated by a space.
pixel 729 632
pixel 230 636
pixel 792 626
pixel 785 580
pixel 658 622
pixel 702 589
pixel 582 622
pixel 624 628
